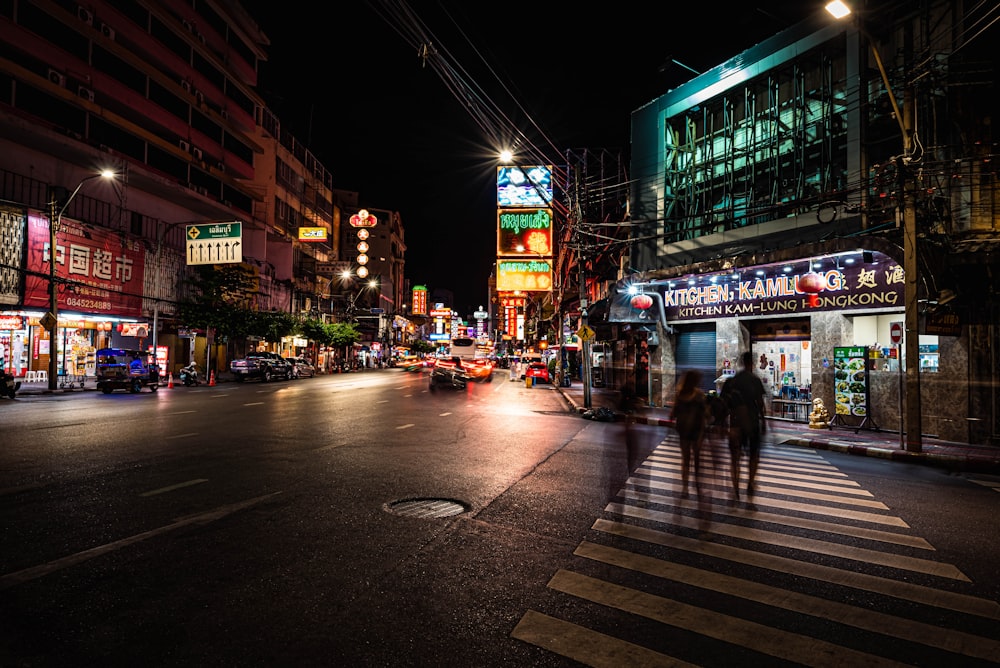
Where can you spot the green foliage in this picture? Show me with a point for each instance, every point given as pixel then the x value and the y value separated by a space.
pixel 344 334
pixel 421 346
pixel 317 330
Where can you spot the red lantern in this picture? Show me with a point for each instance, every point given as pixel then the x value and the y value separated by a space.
pixel 642 302
pixel 812 283
pixel 813 300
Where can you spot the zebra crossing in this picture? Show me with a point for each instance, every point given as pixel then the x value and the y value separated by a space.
pixel 816 571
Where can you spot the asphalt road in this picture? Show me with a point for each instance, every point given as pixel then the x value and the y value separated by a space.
pixel 280 524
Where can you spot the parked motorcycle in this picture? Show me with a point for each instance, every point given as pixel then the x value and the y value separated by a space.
pixel 8 385
pixel 189 375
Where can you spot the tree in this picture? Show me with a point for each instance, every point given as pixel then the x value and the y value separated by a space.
pixel 421 346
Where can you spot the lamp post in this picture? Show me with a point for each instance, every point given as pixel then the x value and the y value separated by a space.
pixel 52 318
pixel 911 267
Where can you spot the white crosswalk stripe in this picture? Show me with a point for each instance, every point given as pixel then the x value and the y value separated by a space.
pixel 813 549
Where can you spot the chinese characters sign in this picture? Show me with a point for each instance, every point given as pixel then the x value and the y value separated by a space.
pixel 99 271
pixel 874 286
pixel 419 300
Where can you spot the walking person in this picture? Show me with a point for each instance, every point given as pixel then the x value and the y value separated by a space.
pixel 690 415
pixel 743 395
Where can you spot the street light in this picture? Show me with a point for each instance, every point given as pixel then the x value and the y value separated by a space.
pixel 52 318
pixel 839 9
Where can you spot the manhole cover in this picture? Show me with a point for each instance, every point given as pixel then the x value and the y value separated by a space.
pixel 428 508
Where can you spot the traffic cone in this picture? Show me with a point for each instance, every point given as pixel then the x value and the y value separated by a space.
pixel 170 380
pixel 211 379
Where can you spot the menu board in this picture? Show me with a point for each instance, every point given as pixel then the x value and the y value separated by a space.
pixel 851 381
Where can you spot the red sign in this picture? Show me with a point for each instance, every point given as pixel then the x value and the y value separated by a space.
pixel 896 332
pixel 100 271
pixel 363 219
pixel 11 323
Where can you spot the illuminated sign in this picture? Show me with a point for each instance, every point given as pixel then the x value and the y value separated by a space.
pixel 524 186
pixel 363 219
pixel 524 275
pixel 769 290
pixel 419 300
pixel 11 322
pixel 524 232
pixel 312 234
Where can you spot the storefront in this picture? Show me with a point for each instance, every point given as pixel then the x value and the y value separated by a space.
pixel 99 277
pixel 792 327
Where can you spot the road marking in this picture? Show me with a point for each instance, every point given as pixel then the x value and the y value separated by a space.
pixel 405 426
pixel 841 613
pixel 869 583
pixel 179 413
pixel 171 488
pixel 784 520
pixel 176 436
pixel 758 637
pixel 812 545
pixel 444 414
pixel 18 577
pixel 255 403
pixel 385 401
pixel 588 647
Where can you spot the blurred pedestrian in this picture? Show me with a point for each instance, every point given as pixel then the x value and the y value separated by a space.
pixel 743 395
pixel 690 414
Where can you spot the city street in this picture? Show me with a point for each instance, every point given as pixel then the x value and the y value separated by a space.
pixel 360 520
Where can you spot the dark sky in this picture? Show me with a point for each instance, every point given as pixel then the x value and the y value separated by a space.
pixel 348 83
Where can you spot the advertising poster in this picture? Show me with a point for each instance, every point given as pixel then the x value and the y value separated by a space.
pixel 99 271
pixel 851 381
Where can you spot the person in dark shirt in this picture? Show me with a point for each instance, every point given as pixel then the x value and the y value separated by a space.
pixel 743 395
pixel 690 415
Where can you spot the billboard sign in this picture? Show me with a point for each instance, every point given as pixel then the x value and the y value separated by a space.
pixel 101 271
pixel 524 232
pixel 524 186
pixel 524 275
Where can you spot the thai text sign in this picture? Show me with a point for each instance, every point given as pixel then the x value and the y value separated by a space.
pixel 525 275
pixel 215 243
pixel 524 232
pixel 99 270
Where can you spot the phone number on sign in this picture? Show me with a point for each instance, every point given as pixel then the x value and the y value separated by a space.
pixel 88 303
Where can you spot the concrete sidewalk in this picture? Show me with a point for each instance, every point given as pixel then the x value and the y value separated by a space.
pixel 867 442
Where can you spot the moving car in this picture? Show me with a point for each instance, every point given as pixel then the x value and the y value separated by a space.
pixel 539 371
pixel 480 370
pixel 301 367
pixel 448 373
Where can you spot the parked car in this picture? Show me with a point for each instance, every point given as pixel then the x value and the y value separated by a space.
pixel 301 367
pixel 264 366
pixel 539 371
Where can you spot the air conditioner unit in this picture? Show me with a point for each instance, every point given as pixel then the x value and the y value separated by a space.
pixel 85 15
pixel 196 152
pixel 85 93
pixel 201 38
pixel 199 97
pixel 57 78
pixel 107 31
pixel 186 85
pixel 202 189
pixel 185 146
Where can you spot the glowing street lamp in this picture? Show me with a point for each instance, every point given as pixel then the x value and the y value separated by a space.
pixel 51 319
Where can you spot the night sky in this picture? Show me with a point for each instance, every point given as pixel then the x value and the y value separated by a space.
pixel 349 83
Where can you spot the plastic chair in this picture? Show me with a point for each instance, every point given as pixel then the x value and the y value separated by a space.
pixel 30 376
pixel 42 376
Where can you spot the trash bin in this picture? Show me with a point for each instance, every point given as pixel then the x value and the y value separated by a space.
pixel 529 381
